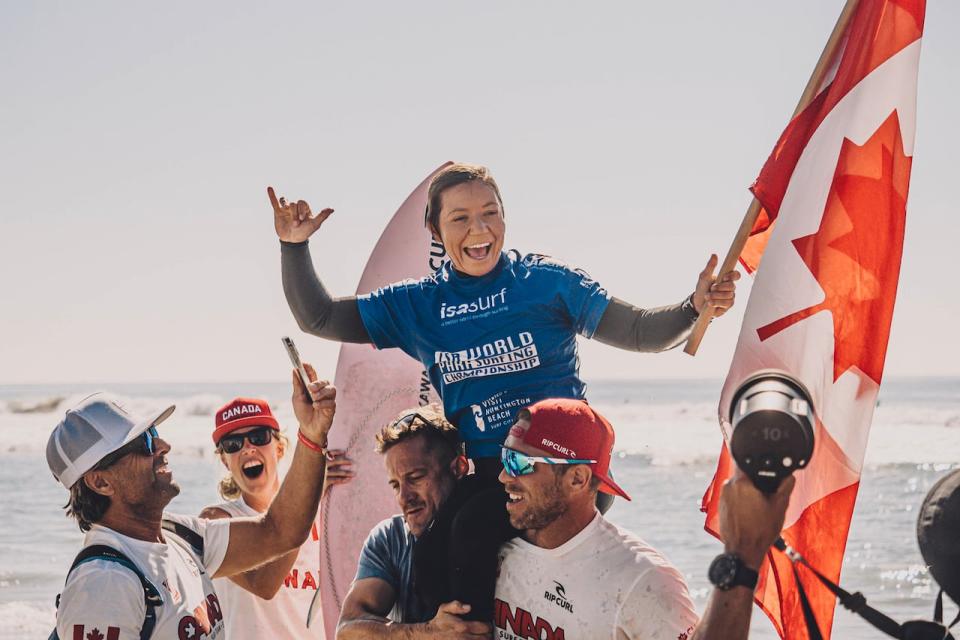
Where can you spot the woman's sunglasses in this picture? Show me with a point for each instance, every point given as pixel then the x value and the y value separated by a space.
pixel 518 464
pixel 258 437
pixel 145 445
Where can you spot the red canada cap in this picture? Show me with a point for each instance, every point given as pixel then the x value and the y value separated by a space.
pixel 571 429
pixel 243 412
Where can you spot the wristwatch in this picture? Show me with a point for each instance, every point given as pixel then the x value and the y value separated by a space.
pixel 727 571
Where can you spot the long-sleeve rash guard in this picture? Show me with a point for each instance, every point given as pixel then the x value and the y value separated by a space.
pixel 493 344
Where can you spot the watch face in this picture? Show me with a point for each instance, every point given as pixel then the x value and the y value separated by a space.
pixel 723 570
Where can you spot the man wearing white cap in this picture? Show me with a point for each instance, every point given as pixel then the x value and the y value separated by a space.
pixel 572 573
pixel 147 574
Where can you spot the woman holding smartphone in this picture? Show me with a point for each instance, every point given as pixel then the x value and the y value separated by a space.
pixel 271 601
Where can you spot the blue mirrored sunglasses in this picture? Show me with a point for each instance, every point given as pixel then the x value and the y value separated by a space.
pixel 145 445
pixel 149 441
pixel 518 464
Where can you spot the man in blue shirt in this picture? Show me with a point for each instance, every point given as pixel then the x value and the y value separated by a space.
pixel 423 456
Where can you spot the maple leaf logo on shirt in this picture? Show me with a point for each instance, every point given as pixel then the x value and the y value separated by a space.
pixel 95 635
pixel 855 254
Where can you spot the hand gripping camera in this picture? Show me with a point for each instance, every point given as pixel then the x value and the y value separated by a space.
pixel 772 417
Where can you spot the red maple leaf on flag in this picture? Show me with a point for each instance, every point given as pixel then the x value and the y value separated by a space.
pixel 855 254
pixel 95 635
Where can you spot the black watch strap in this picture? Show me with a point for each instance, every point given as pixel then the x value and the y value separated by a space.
pixel 727 571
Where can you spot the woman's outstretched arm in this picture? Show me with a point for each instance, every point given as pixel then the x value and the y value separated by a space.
pixel 315 310
pixel 628 327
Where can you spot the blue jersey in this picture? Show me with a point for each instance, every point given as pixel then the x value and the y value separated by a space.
pixel 491 345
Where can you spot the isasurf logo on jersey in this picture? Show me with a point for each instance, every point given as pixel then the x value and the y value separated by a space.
pixel 558 597
pixel 481 307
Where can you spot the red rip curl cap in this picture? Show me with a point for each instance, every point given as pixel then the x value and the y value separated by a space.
pixel 567 428
pixel 243 412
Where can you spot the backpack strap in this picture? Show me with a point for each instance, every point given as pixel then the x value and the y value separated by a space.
pixel 151 595
pixel 185 533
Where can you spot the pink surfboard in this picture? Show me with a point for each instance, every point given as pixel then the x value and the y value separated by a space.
pixel 372 388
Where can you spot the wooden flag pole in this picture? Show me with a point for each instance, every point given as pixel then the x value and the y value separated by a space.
pixel 743 233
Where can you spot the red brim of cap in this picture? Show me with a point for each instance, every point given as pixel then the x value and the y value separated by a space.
pixel 612 488
pixel 241 423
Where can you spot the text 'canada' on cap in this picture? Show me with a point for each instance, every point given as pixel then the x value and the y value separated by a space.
pixel 95 428
pixel 571 429
pixel 243 412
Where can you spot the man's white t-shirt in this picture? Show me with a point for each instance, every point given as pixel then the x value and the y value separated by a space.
pixel 602 583
pixel 103 600
pixel 285 616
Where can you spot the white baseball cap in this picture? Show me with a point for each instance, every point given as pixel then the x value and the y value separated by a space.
pixel 95 428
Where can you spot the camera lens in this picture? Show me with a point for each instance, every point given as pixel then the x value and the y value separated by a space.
pixel 772 418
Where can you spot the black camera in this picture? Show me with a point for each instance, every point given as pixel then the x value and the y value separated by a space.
pixel 772 417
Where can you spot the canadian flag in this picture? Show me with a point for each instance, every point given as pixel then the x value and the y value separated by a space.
pixel 113 633
pixel 830 234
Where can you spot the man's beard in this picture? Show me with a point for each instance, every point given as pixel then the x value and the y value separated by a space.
pixel 549 508
pixel 155 499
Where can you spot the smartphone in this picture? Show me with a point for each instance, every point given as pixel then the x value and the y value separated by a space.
pixel 298 365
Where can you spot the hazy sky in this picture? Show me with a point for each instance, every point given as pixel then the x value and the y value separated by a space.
pixel 138 139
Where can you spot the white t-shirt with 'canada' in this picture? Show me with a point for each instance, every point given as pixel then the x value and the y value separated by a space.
pixel 103 600
pixel 604 583
pixel 285 615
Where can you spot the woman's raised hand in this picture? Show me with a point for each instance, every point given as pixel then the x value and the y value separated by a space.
pixel 294 222
pixel 315 408
pixel 716 292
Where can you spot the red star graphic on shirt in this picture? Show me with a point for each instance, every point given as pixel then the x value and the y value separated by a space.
pixel 855 254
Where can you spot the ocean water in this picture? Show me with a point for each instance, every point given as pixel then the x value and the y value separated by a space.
pixel 667 445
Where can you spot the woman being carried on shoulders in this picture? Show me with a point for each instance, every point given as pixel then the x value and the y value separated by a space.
pixel 495 331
